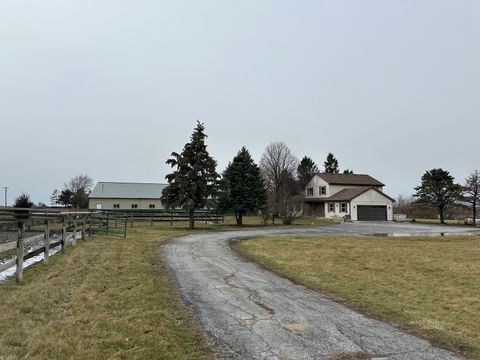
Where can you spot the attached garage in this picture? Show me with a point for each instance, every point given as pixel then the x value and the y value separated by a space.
pixel 371 212
pixel 372 205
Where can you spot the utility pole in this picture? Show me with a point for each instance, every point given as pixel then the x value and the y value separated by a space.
pixel 6 189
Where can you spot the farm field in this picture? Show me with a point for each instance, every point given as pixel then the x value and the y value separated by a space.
pixel 428 285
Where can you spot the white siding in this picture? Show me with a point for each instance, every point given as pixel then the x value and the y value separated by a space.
pixel 372 197
pixel 316 183
pixel 337 213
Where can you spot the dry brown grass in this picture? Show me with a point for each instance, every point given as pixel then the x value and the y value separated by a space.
pixel 428 285
pixel 105 298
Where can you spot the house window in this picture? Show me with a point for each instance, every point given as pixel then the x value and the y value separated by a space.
pixel 331 207
pixel 343 207
pixel 323 190
pixel 134 206
pixel 310 191
pixel 151 206
pixel 116 206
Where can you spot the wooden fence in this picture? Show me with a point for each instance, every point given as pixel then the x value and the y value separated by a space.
pixel 159 215
pixel 44 226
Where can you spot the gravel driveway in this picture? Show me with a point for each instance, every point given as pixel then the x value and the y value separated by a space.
pixel 249 312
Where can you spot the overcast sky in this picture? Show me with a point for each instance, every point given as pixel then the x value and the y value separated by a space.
pixel 111 88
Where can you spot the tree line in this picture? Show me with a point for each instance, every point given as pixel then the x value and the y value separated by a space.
pixel 274 188
pixel 74 194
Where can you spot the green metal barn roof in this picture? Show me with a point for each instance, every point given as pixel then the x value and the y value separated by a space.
pixel 126 190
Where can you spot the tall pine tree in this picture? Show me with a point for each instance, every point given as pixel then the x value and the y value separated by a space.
pixel 305 171
pixel 243 186
pixel 331 164
pixel 194 179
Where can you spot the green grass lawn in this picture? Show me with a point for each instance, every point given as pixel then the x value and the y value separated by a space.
pixel 428 285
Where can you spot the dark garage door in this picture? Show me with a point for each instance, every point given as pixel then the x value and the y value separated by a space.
pixel 372 213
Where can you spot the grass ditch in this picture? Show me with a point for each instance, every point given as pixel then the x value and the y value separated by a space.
pixel 428 285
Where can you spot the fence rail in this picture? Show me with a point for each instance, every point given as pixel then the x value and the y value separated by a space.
pixel 14 226
pixel 158 215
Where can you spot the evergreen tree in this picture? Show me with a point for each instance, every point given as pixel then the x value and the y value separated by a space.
pixel 305 171
pixel 243 186
pixel 194 179
pixel 23 201
pixel 66 198
pixel 438 189
pixel 331 164
pixel 348 171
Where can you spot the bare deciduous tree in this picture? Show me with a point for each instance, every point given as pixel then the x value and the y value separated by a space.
pixel 404 205
pixel 278 166
pixel 76 191
pixel 79 182
pixel 471 193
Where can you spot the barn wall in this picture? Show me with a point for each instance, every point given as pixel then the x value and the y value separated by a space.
pixel 125 204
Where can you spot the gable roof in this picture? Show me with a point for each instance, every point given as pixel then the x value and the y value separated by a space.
pixel 126 190
pixel 348 195
pixel 349 179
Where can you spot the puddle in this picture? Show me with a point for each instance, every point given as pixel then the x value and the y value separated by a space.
pixel 433 234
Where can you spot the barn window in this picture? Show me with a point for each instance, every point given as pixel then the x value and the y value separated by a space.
pixel 310 191
pixel 323 190
pixel 116 206
pixel 331 207
pixel 134 206
pixel 343 207
pixel 151 206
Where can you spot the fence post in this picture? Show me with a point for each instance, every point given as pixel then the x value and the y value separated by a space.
pixel 171 219
pixel 90 217
pixel 151 222
pixel 125 228
pixel 46 242
pixel 64 234
pixel 74 231
pixel 131 218
pixel 83 227
pixel 20 239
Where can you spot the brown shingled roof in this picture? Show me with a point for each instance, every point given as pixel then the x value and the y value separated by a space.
pixel 350 179
pixel 348 195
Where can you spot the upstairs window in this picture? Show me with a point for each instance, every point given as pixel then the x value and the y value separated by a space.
pixel 151 206
pixel 134 206
pixel 323 190
pixel 310 191
pixel 343 207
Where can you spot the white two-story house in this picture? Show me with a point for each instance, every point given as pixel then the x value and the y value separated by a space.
pixel 357 196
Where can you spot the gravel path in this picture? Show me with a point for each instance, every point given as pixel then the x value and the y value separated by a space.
pixel 249 312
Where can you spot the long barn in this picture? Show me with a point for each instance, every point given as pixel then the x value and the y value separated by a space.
pixel 126 195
